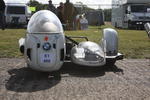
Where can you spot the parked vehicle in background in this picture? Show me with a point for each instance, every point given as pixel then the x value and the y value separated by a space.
pixel 147 27
pixel 130 13
pixel 17 14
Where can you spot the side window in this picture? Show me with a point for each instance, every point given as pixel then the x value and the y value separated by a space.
pixel 28 10
pixel 16 10
pixel 128 9
pixel 148 8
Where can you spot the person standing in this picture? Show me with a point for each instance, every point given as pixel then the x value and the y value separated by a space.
pixel 51 7
pixel 69 14
pixel 2 16
pixel 60 12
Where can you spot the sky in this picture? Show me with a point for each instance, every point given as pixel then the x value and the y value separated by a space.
pixel 91 2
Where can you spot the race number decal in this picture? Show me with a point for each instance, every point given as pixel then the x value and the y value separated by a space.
pixel 46 58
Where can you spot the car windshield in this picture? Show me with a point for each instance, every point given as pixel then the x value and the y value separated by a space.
pixel 140 8
pixel 15 10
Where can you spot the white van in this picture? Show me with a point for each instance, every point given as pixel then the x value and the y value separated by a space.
pixel 130 13
pixel 17 14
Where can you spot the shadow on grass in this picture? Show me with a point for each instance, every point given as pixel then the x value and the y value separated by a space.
pixel 27 80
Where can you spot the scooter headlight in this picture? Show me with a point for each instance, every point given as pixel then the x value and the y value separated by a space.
pixel 46 46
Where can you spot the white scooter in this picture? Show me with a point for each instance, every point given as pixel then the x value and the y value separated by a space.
pixel 46 47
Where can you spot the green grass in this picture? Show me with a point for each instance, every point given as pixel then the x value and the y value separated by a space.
pixel 9 42
pixel 132 43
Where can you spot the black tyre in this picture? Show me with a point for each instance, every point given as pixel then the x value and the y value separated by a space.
pixel 110 62
pixel 130 26
pixel 116 25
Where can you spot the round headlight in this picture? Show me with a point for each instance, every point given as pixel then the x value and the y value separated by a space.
pixel 46 46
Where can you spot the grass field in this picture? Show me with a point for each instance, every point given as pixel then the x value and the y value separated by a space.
pixel 132 43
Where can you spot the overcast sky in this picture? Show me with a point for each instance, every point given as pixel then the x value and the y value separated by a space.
pixel 73 1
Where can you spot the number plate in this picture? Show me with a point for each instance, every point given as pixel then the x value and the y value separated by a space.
pixel 46 58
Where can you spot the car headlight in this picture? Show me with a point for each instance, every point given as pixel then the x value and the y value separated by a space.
pixel 46 46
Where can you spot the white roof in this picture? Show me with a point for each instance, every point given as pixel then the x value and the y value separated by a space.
pixel 44 21
pixel 15 4
pixel 130 1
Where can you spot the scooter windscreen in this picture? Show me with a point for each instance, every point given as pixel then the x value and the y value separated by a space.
pixel 88 54
pixel 44 22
